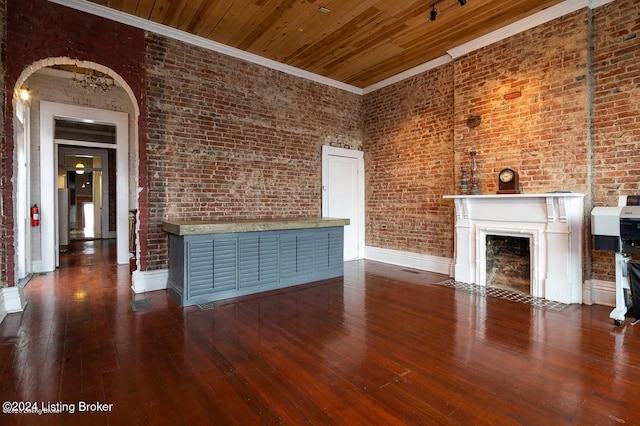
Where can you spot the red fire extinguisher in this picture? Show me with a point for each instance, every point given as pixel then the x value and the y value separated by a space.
pixel 35 215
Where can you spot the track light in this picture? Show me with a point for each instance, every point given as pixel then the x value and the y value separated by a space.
pixel 434 13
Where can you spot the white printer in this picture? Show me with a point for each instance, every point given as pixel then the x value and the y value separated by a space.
pixel 617 229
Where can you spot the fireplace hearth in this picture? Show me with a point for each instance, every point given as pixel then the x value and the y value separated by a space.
pixel 552 224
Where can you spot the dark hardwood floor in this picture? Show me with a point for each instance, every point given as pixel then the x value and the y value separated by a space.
pixel 382 346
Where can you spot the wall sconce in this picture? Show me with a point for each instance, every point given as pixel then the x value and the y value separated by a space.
pixel 79 168
pixel 24 94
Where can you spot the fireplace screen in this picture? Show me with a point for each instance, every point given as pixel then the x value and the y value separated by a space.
pixel 509 263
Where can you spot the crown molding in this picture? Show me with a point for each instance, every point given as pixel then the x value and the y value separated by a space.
pixel 154 27
pixel 593 4
pixel 442 60
pixel 544 16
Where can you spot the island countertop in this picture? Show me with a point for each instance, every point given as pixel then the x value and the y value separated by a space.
pixel 224 226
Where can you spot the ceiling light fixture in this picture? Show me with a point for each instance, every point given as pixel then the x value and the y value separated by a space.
pixel 434 13
pixel 90 82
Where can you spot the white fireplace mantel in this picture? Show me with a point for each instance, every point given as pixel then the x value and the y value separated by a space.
pixel 552 222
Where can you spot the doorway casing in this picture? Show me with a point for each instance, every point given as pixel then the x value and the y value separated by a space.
pixel 49 111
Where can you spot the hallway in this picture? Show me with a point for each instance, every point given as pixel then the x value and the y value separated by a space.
pixel 385 346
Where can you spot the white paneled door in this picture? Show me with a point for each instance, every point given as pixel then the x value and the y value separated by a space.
pixel 343 195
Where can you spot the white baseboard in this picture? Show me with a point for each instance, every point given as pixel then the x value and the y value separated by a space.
pixel 598 292
pixel 143 281
pixel 11 301
pixel 425 262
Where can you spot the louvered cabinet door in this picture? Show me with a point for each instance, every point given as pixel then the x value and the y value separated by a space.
pixel 288 253
pixel 305 253
pixel 258 260
pixel 328 252
pixel 212 266
pixel 296 256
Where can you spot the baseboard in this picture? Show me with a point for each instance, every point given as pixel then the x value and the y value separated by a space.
pixel 425 262
pixel 11 301
pixel 143 281
pixel 599 292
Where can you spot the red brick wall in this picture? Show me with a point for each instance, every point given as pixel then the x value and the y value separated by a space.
pixel 230 139
pixel 418 138
pixel 616 160
pixel 409 164
pixel 541 133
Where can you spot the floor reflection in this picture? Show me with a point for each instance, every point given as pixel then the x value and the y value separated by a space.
pixel 383 345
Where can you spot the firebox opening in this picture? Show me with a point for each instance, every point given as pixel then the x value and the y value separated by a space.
pixel 509 263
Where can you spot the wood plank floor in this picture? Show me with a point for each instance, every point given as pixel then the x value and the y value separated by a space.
pixel 382 346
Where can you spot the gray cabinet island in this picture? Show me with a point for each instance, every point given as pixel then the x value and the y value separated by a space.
pixel 214 260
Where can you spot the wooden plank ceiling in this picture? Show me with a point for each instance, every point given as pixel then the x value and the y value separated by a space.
pixel 357 42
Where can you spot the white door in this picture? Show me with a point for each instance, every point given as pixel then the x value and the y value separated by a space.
pixel 343 195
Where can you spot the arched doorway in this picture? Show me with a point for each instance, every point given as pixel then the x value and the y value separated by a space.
pixel 54 99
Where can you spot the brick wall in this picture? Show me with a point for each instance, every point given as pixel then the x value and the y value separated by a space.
pixel 230 139
pixel 616 160
pixel 530 92
pixel 409 164
pixel 418 137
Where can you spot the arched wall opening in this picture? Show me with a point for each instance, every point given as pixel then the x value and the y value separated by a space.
pixel 48 108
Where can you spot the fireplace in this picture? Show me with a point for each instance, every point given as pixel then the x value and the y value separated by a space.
pixel 552 223
pixel 508 264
